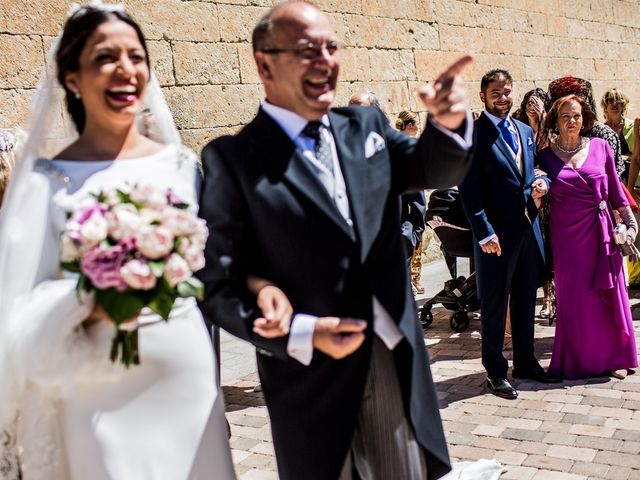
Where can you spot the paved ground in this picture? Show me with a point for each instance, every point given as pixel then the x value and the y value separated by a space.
pixel 576 430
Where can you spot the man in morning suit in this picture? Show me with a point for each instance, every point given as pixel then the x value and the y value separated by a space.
pixel 308 199
pixel 498 197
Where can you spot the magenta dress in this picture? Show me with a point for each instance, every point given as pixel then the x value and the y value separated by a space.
pixel 594 330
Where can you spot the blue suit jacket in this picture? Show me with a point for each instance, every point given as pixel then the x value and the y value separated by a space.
pixel 495 192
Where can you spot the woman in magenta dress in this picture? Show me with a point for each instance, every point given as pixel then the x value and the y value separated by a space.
pixel 594 332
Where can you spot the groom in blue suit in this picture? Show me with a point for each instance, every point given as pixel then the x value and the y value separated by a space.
pixel 498 196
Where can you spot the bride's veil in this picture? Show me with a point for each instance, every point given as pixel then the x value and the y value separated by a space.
pixel 23 215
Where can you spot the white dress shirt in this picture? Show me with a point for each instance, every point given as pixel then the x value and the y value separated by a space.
pixel 300 344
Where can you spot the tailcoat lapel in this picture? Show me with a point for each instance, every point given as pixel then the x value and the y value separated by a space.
pixel 281 154
pixel 354 170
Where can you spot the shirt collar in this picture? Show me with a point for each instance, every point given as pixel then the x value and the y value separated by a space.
pixel 290 122
pixel 496 120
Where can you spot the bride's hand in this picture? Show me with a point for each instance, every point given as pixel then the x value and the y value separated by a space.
pixel 98 314
pixel 276 313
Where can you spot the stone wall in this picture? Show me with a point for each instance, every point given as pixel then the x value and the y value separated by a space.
pixel 202 56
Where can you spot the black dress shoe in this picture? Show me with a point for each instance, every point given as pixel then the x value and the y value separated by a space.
pixel 502 388
pixel 537 375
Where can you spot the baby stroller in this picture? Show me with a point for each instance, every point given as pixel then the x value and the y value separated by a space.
pixel 446 217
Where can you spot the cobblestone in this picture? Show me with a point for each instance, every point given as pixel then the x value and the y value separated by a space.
pixel 579 430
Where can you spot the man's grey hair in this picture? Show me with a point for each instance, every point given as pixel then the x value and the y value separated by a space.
pixel 360 98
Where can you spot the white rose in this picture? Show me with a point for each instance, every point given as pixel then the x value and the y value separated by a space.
pixel 70 252
pixel 149 196
pixel 193 253
pixel 94 230
pixel 195 258
pixel 154 242
pixel 123 220
pixel 176 269
pixel 200 234
pixel 149 216
pixel 180 222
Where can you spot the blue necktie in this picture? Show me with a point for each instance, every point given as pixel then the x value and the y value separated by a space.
pixel 508 135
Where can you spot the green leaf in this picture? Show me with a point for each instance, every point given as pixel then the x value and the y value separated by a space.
pixel 157 267
pixel 181 205
pixel 70 266
pixel 162 299
pixel 120 306
pixel 84 284
pixel 191 287
pixel 123 196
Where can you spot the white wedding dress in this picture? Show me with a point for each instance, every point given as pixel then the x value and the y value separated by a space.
pixel 82 417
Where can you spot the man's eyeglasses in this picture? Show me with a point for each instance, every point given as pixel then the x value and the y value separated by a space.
pixel 612 101
pixel 307 51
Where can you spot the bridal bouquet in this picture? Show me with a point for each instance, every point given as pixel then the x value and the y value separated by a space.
pixel 134 248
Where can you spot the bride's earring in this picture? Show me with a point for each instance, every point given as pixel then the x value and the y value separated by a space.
pixel 77 94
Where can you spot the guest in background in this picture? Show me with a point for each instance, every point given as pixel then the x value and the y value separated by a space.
pixel 594 332
pixel 498 196
pixel 532 112
pixel 569 85
pixel 414 207
pixel 408 122
pixel 364 99
pixel 614 104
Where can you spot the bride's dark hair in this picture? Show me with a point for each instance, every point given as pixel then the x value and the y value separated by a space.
pixel 79 27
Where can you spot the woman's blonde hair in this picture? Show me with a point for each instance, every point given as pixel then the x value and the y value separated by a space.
pixel 614 95
pixel 406 118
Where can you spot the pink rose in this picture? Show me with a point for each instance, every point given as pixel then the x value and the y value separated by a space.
pixel 80 216
pixel 154 242
pixel 176 269
pixel 173 199
pixel 123 221
pixel 102 266
pixel 138 275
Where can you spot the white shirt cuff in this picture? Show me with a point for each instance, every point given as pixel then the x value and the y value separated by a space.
pixel 465 141
pixel 486 240
pixel 300 344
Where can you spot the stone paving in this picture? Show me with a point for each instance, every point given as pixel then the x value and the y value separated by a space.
pixel 576 430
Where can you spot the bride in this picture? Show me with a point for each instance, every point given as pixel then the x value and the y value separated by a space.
pixel 67 410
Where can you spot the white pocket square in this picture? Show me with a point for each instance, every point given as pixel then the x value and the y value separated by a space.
pixel 529 142
pixel 374 143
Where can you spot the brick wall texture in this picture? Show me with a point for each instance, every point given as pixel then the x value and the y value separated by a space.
pixel 202 55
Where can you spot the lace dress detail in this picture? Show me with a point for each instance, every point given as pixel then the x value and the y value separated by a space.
pixel 9 460
pixel 605 132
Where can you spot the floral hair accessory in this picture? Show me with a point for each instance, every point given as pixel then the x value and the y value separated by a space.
pixel 77 9
pixel 7 140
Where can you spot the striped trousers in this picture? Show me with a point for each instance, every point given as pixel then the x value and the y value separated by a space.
pixel 384 445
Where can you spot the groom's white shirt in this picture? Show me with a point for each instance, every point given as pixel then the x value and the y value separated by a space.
pixel 300 345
